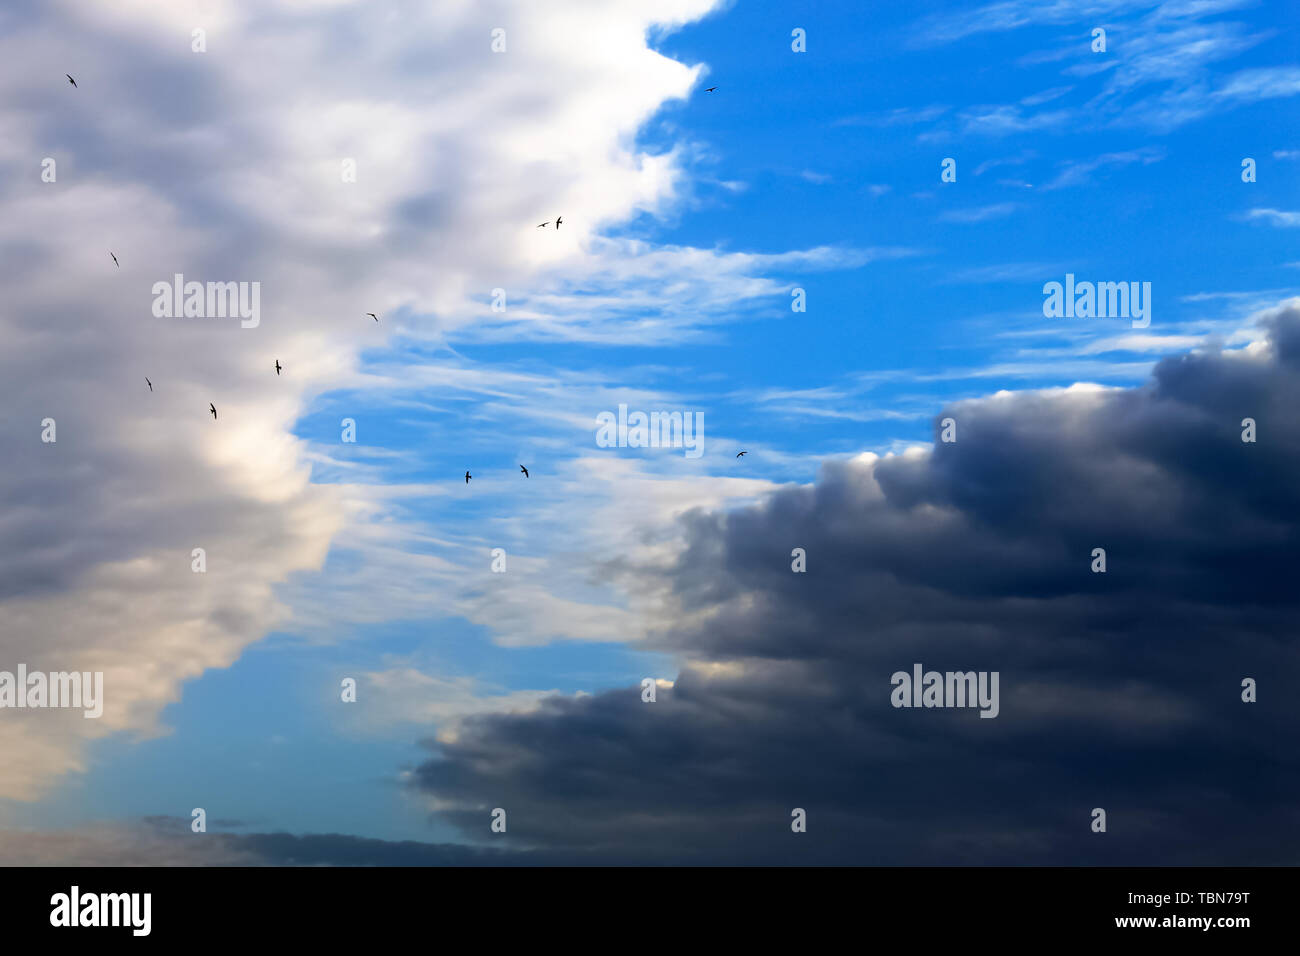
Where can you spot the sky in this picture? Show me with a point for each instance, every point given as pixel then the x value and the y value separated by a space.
pixel 837 251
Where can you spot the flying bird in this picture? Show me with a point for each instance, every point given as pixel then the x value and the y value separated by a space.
pixel 468 476
pixel 543 225
pixel 373 316
pixel 739 453
pixel 277 366
pixel 70 79
pixel 558 220
pixel 149 383
pixel 524 470
pixel 212 408
pixel 115 262
pixel 710 89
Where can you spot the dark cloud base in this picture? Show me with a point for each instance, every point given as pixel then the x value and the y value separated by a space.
pixel 1119 690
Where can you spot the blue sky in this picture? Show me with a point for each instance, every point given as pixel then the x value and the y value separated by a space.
pixel 818 170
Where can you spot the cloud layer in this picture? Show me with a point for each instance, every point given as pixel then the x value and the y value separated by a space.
pixel 226 165
pixel 1118 690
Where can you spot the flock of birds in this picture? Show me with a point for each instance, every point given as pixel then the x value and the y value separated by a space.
pixel 213 408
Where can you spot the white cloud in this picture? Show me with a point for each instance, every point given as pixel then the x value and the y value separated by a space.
pixel 225 166
pixel 1276 217
pixel 980 213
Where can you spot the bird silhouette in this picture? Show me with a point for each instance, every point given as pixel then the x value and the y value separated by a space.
pixel 468 476
pixel 373 316
pixel 149 383
pixel 115 262
pixel 524 470
pixel 212 408
pixel 710 89
pixel 277 366
pixel 738 454
pixel 558 220
pixel 543 225
pixel 70 79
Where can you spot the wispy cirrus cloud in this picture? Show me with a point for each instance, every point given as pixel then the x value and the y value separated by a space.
pixel 1283 219
pixel 902 116
pixel 980 213
pixel 1157 72
pixel 1078 172
pixel 950 27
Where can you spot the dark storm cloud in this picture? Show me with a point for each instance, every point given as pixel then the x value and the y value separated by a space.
pixel 1118 690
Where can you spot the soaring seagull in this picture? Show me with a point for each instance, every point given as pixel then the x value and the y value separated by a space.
pixel 70 79
pixel 524 470
pixel 277 366
pixel 468 476
pixel 710 89
pixel 543 225
pixel 149 383
pixel 212 408
pixel 373 316
pixel 115 262
pixel 738 454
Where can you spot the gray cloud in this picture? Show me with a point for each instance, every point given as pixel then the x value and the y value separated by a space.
pixel 1119 690
pixel 226 166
